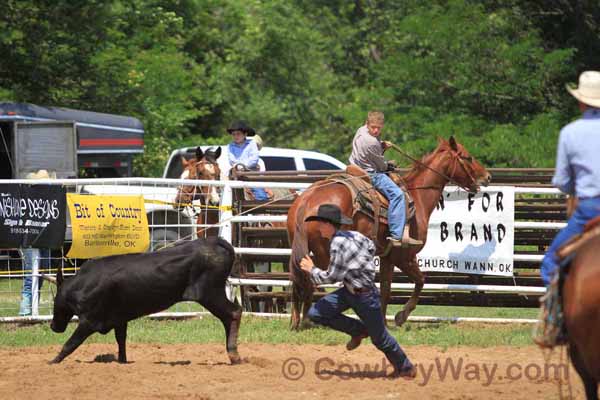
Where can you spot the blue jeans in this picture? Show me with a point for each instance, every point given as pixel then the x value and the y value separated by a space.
pixel 31 257
pixel 328 311
pixel 395 195
pixel 259 194
pixel 586 210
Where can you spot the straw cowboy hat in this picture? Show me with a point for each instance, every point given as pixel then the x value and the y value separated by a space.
pixel 41 174
pixel 588 91
pixel 241 126
pixel 259 141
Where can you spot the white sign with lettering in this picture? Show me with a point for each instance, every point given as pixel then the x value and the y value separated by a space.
pixel 471 233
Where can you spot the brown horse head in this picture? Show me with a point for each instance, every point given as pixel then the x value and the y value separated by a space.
pixel 203 167
pixel 454 164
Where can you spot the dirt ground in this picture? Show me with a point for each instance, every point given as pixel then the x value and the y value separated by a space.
pixel 279 372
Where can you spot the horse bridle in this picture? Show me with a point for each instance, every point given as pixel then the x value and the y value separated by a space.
pixel 194 191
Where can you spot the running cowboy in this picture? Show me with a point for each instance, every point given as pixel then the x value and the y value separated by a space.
pixel 351 263
pixel 367 153
pixel 245 151
pixel 577 174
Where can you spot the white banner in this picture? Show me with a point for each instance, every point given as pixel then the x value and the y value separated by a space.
pixel 471 233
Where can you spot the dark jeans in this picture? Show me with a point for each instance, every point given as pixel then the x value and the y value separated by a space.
pixel 328 311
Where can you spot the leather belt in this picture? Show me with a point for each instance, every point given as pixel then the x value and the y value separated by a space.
pixel 354 290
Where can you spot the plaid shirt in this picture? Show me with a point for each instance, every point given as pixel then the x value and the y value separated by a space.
pixel 351 261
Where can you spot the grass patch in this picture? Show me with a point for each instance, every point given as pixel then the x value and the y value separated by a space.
pixel 260 330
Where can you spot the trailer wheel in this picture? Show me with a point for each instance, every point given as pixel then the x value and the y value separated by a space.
pixel 160 238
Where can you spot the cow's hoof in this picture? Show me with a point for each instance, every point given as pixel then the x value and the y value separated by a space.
pixel 55 361
pixel 234 358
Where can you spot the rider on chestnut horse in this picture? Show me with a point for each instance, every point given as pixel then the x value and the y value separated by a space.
pixel 367 153
pixel 577 174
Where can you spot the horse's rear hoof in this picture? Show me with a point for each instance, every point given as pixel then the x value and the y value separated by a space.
pixel 400 318
pixel 306 324
pixel 294 324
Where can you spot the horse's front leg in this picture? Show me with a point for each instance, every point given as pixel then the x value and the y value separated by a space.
pixel 411 269
pixel 386 272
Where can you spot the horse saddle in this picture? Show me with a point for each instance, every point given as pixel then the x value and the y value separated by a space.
pixel 367 199
pixel 591 230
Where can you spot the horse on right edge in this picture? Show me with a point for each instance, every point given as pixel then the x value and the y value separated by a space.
pixel 581 307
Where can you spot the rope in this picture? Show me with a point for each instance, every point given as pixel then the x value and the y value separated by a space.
pixel 12 167
pixel 253 209
pixel 40 271
pixel 171 203
pixel 564 353
pixel 395 147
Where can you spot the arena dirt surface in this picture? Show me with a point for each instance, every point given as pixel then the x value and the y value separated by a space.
pixel 203 372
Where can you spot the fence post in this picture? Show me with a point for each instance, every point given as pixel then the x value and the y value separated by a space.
pixel 225 231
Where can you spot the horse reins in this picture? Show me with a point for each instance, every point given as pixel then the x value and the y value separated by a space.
pixel 449 179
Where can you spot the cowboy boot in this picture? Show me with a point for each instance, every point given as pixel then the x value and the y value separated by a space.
pixel 355 341
pixel 404 369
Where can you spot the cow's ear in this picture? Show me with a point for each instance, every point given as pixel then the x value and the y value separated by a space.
pixel 218 152
pixel 199 153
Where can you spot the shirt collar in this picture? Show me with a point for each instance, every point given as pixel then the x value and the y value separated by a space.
pixel 234 144
pixel 591 112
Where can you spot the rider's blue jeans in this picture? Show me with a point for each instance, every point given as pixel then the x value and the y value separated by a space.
pixel 260 194
pixel 329 310
pixel 395 195
pixel 586 210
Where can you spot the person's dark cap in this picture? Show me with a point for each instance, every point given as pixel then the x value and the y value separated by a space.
pixel 241 126
pixel 331 213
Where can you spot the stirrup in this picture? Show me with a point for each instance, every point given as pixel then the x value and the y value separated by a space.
pixel 405 241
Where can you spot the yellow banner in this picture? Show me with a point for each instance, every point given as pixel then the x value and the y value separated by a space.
pixel 107 225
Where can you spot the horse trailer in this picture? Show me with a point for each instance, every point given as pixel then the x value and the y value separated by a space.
pixel 68 142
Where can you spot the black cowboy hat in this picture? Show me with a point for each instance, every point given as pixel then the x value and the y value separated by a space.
pixel 241 126
pixel 330 213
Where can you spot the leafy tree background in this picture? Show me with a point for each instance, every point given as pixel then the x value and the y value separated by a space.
pixel 305 72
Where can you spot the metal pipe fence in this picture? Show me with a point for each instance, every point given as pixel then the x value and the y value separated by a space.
pixel 168 224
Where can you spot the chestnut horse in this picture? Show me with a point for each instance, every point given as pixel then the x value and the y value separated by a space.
pixel 449 162
pixel 581 302
pixel 203 167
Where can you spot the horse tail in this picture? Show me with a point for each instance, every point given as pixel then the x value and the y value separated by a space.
pixel 301 285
